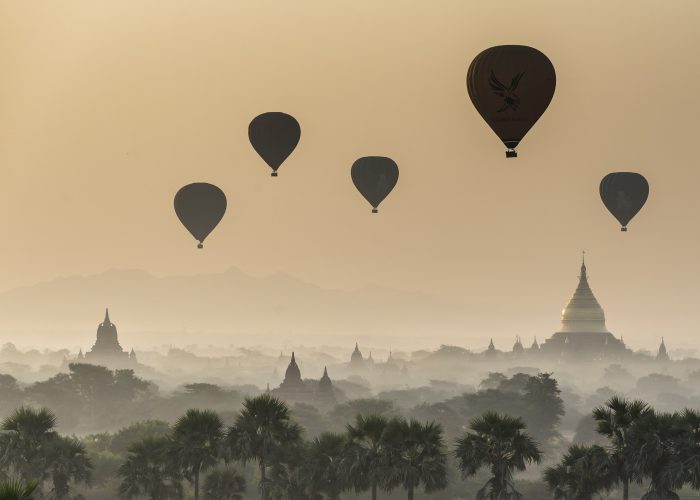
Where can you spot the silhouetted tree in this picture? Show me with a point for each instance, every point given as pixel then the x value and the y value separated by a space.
pixel 654 451
pixel 365 460
pixel 27 441
pixel 224 483
pixel 500 443
pixel 69 463
pixel 197 440
pixel 324 464
pixel 614 421
pixel 416 456
pixel 152 470
pixel 262 427
pixel 582 472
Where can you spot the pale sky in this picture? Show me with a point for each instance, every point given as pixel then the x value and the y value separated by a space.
pixel 108 107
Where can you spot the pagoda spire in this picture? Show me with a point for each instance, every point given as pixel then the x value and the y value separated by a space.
pixel 107 321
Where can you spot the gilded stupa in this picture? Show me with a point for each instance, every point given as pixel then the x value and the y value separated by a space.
pixel 583 332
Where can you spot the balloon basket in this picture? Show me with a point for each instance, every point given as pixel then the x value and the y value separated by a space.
pixel 623 229
pixel 274 174
pixel 511 153
pixel 375 211
pixel 200 246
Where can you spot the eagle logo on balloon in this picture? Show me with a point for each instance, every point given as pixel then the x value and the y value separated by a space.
pixel 510 99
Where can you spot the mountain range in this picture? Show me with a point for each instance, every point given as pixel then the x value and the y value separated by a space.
pixel 226 308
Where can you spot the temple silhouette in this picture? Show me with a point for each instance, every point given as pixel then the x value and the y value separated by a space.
pixel 295 389
pixel 106 350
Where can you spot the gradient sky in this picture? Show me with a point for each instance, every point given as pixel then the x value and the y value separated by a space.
pixel 107 108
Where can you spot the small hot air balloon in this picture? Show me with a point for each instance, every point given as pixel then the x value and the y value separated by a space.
pixel 511 87
pixel 200 207
pixel 274 136
pixel 624 194
pixel 374 177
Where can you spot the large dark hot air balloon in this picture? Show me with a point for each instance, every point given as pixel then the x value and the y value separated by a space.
pixel 624 194
pixel 374 177
pixel 511 86
pixel 274 136
pixel 200 207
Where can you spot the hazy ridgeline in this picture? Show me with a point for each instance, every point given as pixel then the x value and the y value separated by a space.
pixel 110 410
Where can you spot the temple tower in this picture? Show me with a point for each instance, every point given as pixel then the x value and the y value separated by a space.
pixel 583 333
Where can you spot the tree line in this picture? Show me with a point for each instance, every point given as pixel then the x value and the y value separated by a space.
pixel 375 454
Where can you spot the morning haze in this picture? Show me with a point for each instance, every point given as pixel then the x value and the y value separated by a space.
pixel 108 108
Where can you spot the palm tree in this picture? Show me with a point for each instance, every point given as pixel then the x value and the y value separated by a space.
pixel 224 484
pixel 150 469
pixel 262 427
pixel 197 438
pixel 416 456
pixel 28 437
pixel 289 473
pixel 366 453
pixel 690 449
pixel 614 421
pixel 583 472
pixel 654 450
pixel 15 489
pixel 324 465
pixel 69 463
pixel 500 443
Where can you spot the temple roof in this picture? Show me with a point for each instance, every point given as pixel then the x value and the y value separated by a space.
pixel 583 313
pixel 293 374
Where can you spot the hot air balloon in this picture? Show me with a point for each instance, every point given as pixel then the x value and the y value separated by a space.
pixel 511 87
pixel 274 136
pixel 374 177
pixel 624 194
pixel 200 207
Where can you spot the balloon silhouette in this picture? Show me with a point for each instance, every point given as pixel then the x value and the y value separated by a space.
pixel 511 87
pixel 274 136
pixel 200 207
pixel 624 195
pixel 374 177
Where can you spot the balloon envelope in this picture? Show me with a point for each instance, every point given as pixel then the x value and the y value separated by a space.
pixel 624 195
pixel 274 136
pixel 511 87
pixel 200 207
pixel 374 177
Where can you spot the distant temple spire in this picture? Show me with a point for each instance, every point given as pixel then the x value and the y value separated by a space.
pixel 535 346
pixel 107 321
pixel 356 359
pixel 518 346
pixel 663 353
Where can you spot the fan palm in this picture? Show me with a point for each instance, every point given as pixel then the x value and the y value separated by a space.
pixel 500 443
pixel 324 465
pixel 614 421
pixel 15 489
pixel 197 440
pixel 29 433
pixel 582 472
pixel 654 451
pixel 150 469
pixel 366 453
pixel 224 484
pixel 263 426
pixel 416 455
pixel 69 462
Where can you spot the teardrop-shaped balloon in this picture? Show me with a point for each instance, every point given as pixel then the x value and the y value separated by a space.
pixel 511 87
pixel 274 136
pixel 374 177
pixel 200 207
pixel 624 195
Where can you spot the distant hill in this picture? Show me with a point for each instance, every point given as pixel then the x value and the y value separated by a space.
pixel 225 308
